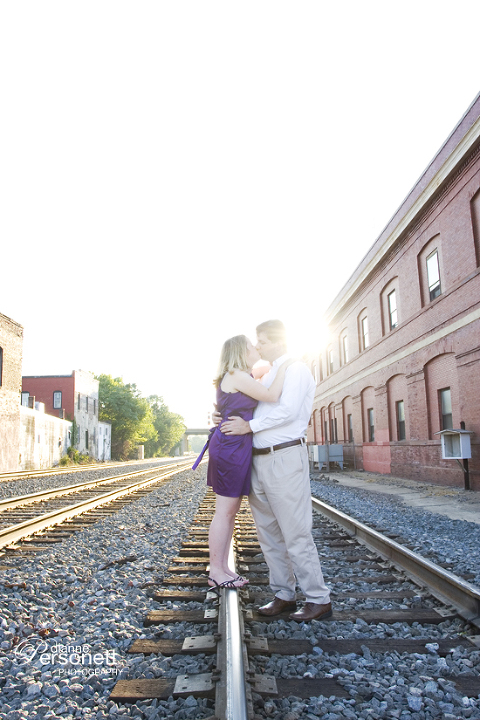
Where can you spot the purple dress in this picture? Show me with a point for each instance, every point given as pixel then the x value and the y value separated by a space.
pixel 230 456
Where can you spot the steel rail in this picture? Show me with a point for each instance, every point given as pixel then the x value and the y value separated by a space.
pixel 17 532
pixel 25 474
pixel 231 688
pixel 237 695
pixel 20 500
pixel 444 585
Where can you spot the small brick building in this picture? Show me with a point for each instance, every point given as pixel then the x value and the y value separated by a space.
pixel 11 348
pixel 403 360
pixel 73 397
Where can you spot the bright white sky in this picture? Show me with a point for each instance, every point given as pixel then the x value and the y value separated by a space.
pixel 174 173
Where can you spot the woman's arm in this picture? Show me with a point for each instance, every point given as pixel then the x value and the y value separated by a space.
pixel 246 384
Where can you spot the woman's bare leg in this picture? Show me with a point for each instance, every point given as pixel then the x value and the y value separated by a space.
pixel 219 537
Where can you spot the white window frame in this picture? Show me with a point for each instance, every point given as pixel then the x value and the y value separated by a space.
pixel 392 309
pixel 365 335
pixel 433 275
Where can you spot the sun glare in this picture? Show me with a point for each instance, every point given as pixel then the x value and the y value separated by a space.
pixel 309 337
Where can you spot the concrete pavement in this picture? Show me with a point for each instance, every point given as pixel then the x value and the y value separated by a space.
pixel 455 503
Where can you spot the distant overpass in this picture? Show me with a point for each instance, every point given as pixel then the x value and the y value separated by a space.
pixel 191 431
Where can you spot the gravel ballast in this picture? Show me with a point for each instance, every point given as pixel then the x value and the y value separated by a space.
pixel 83 593
pixel 455 543
pixel 71 599
pixel 409 686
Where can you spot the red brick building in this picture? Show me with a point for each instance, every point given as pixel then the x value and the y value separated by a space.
pixel 403 360
pixel 56 392
pixel 74 397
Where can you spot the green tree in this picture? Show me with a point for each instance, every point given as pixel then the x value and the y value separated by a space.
pixel 130 415
pixel 169 428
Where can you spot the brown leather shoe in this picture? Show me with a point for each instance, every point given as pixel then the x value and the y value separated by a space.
pixel 312 611
pixel 277 606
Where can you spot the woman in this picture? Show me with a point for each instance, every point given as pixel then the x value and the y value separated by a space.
pixel 230 456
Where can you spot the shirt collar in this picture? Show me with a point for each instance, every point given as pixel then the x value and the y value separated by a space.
pixel 280 360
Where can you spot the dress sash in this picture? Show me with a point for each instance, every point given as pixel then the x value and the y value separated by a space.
pixel 204 449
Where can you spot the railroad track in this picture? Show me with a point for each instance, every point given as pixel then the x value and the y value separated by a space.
pixel 30 522
pixel 271 666
pixel 70 469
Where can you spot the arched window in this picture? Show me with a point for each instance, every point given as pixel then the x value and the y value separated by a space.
pixel 329 360
pixel 389 300
pixel 333 424
pixel 475 210
pixel 368 414
pixel 347 407
pixel 433 275
pixel 343 347
pixel 442 394
pixel 397 408
pixel 363 333
pixel 430 270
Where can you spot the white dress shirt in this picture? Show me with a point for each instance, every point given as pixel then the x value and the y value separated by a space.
pixel 287 419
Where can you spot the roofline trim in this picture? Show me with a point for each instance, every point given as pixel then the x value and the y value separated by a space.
pixel 465 144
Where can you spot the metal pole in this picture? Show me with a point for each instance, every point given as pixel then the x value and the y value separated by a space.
pixel 466 472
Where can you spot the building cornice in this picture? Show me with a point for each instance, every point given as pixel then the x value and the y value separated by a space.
pixel 9 320
pixel 453 160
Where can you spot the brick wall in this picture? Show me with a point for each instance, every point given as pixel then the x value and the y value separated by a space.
pixel 42 388
pixel 11 344
pixel 436 342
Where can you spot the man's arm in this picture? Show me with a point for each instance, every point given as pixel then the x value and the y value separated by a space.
pixel 298 380
pixel 236 426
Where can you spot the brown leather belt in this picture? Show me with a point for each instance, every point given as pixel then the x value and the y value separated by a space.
pixel 265 451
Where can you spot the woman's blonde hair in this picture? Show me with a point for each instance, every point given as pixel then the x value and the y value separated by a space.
pixel 233 357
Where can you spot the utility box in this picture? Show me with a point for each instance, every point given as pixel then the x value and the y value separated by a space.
pixel 324 454
pixel 313 453
pixel 455 444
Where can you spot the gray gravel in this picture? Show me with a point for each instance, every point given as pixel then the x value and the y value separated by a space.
pixel 415 686
pixel 66 596
pixel 65 600
pixel 435 536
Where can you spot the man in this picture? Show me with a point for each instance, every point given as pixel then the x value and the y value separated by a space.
pixel 280 493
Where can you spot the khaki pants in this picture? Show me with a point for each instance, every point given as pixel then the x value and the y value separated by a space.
pixel 282 510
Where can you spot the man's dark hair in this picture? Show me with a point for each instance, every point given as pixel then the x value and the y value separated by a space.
pixel 274 330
